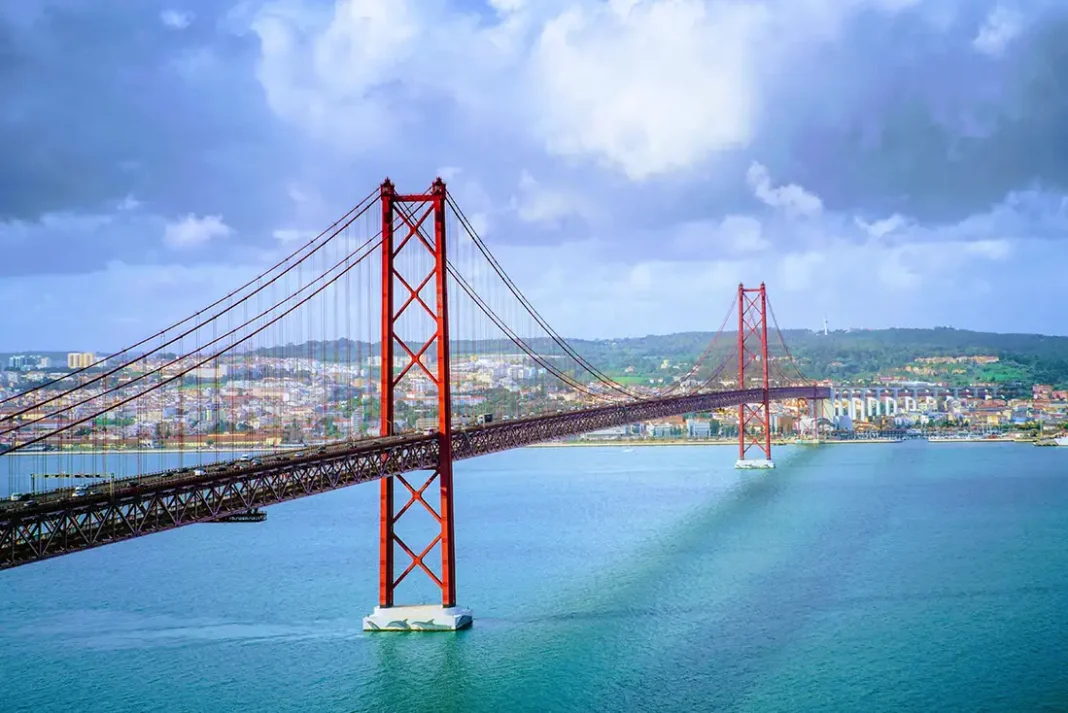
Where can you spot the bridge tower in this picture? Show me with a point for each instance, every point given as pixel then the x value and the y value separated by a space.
pixel 426 319
pixel 754 418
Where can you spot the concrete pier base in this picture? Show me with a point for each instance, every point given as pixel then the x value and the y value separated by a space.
pixel 417 618
pixel 756 464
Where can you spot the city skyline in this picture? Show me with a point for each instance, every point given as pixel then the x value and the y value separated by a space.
pixel 621 206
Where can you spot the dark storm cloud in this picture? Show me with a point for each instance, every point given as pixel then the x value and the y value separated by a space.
pixel 103 100
pixel 908 117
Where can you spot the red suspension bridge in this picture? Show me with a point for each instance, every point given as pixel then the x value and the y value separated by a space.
pixel 385 348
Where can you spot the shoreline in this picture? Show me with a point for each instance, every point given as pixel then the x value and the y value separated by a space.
pixel 629 444
pixel 676 442
pixel 733 442
pixel 147 452
pixel 548 444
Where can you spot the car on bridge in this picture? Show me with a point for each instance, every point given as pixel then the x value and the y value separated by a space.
pixel 25 500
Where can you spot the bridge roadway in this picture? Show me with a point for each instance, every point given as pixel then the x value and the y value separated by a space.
pixel 133 507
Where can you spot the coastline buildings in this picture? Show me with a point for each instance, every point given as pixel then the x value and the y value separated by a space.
pixel 80 360
pixel 273 401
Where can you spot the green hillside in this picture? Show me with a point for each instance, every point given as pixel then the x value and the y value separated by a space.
pixel 860 355
pixel 844 356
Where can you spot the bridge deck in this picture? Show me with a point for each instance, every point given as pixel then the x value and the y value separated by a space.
pixel 162 501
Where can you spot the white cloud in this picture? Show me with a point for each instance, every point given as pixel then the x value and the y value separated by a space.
pixel 447 173
pixel 641 277
pixel 862 269
pixel 473 200
pixel 176 19
pixel 320 70
pixel 799 271
pixel 649 296
pixel 1001 27
pixel 118 303
pixel 743 233
pixel 192 232
pixel 507 7
pixel 923 279
pixel 600 77
pixel 792 199
pixel 735 234
pixel 646 88
pixel 895 273
pixel 990 249
pixel 51 226
pixel 883 227
pixel 129 203
pixel 292 235
pixel 537 203
pixel 857 278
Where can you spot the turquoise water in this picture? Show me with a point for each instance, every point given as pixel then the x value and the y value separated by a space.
pixel 853 578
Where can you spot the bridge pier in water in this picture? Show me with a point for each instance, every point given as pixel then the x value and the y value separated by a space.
pixel 413 211
pixel 754 419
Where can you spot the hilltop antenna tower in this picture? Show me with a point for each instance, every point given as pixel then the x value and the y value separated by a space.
pixel 825 325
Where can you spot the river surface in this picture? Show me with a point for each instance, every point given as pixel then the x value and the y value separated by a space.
pixel 889 577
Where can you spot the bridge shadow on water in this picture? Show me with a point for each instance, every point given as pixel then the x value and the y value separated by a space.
pixel 583 650
pixel 726 654
pixel 700 617
pixel 721 610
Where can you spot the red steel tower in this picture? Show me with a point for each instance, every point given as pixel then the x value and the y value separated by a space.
pixel 430 356
pixel 754 418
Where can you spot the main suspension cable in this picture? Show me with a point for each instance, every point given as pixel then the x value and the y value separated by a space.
pixel 560 341
pixel 334 230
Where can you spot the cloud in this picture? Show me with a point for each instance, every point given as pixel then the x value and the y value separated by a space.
pixel 886 226
pixel 598 78
pixel 537 203
pixel 322 70
pixel 116 304
pixel 73 241
pixel 1002 26
pixel 743 234
pixel 991 249
pixel 734 234
pixel 175 19
pixel 129 203
pixel 644 88
pixel 800 271
pixel 292 235
pixel 604 148
pixel 855 278
pixel 103 102
pixel 193 232
pixel 791 198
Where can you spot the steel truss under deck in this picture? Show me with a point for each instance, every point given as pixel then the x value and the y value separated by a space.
pixel 153 503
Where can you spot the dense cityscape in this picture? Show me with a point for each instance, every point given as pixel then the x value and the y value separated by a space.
pixel 287 401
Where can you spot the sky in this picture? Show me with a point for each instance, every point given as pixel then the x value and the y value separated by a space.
pixel 875 162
